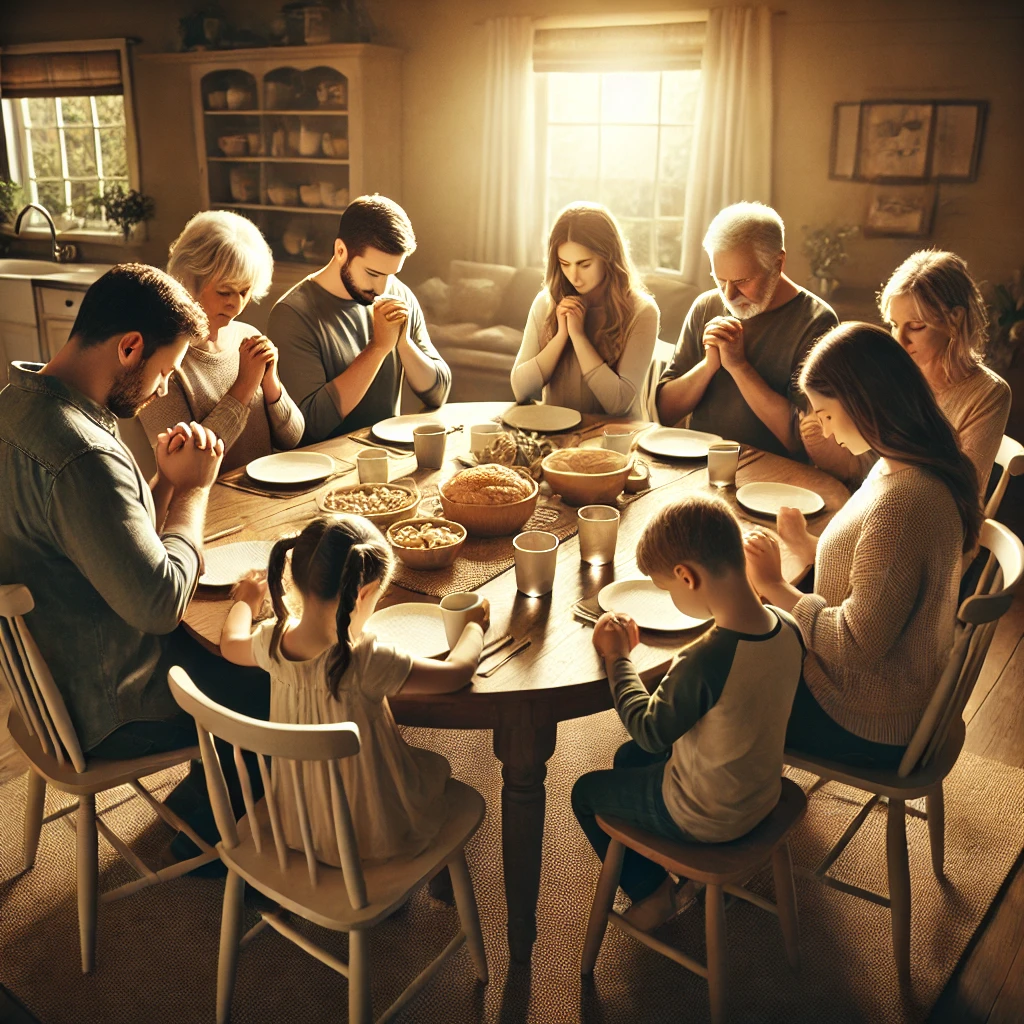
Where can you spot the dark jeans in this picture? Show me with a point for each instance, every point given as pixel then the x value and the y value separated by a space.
pixel 812 731
pixel 245 690
pixel 631 790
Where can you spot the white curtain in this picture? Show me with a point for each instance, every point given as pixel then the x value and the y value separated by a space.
pixel 506 215
pixel 731 158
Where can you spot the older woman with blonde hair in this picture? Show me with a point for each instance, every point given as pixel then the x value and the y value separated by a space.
pixel 590 334
pixel 229 380
pixel 935 311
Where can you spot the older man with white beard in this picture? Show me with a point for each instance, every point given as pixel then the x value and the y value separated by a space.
pixel 736 359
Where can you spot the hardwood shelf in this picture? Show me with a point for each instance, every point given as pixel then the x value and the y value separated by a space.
pixel 317 112
pixel 278 160
pixel 334 211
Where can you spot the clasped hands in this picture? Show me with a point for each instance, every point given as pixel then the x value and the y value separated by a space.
pixel 723 343
pixel 615 635
pixel 188 456
pixel 570 313
pixel 390 321
pixel 257 364
pixel 764 555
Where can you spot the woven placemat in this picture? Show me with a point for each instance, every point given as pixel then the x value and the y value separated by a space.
pixel 239 480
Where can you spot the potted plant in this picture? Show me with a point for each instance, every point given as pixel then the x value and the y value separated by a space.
pixel 125 209
pixel 11 200
pixel 825 250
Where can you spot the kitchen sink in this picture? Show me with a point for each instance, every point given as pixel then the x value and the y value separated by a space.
pixel 45 268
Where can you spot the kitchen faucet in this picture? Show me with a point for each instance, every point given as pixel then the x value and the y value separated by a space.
pixel 61 253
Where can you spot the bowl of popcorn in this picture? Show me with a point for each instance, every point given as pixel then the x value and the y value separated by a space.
pixel 430 543
pixel 382 504
pixel 587 476
pixel 490 500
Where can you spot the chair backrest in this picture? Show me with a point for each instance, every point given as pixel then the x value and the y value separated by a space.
pixel 35 695
pixel 1010 459
pixel 293 746
pixel 976 624
pixel 661 359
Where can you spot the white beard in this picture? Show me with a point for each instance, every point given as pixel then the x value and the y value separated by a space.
pixel 748 310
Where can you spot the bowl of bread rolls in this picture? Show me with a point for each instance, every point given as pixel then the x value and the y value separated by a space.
pixel 490 500
pixel 427 543
pixel 587 476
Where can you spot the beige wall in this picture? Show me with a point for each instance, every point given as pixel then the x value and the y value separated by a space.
pixel 826 51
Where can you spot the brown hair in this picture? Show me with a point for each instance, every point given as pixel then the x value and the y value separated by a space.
pixel 946 296
pixel 593 226
pixel 885 394
pixel 700 530
pixel 376 222
pixel 330 558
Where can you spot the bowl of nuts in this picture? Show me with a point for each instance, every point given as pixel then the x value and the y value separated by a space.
pixel 382 504
pixel 429 543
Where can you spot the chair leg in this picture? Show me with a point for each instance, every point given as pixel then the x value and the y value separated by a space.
pixel 87 855
pixel 604 897
pixel 714 935
pixel 360 1001
pixel 230 936
pixel 935 805
pixel 34 801
pixel 899 886
pixel 465 899
pixel 785 901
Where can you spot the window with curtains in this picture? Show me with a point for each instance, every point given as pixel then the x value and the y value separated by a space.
pixel 68 128
pixel 617 108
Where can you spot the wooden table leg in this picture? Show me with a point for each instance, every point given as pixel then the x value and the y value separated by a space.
pixel 523 750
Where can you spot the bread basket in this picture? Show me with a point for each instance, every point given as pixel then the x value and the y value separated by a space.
pixel 492 520
pixel 582 488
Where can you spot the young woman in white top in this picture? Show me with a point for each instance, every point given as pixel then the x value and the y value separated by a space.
pixel 229 380
pixel 936 312
pixel 590 334
pixel 323 668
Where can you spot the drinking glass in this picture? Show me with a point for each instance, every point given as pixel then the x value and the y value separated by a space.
pixel 372 465
pixel 598 530
pixel 536 552
pixel 428 441
pixel 723 461
pixel 455 609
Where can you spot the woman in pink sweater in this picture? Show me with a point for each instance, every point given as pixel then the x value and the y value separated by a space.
pixel 879 626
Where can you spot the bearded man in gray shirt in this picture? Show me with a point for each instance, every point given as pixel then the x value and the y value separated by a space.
pixel 735 364
pixel 351 332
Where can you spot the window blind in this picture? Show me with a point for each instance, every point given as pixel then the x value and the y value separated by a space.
pixel 72 73
pixel 675 46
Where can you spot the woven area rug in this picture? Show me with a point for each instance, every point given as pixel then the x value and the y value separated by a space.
pixel 157 950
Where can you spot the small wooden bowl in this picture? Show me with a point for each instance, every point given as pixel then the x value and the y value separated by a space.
pixel 428 558
pixel 587 488
pixel 491 520
pixel 381 520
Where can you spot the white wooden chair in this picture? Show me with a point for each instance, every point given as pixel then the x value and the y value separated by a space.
pixel 1010 459
pixel 661 360
pixel 722 867
pixel 933 749
pixel 352 898
pixel 42 730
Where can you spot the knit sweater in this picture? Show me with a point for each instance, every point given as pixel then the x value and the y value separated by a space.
pixel 200 392
pixel 879 626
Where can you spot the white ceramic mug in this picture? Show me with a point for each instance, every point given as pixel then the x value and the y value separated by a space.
pixel 598 531
pixel 483 434
pixel 723 461
pixel 618 439
pixel 455 609
pixel 536 553
pixel 428 441
pixel 372 465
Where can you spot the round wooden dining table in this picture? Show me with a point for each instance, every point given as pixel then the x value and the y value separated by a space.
pixel 559 676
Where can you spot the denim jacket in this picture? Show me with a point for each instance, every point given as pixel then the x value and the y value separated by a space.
pixel 77 527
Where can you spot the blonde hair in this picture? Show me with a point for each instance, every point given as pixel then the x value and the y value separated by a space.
pixel 946 296
pixel 747 224
pixel 698 530
pixel 595 228
pixel 220 246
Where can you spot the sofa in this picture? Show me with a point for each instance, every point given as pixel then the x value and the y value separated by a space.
pixel 477 316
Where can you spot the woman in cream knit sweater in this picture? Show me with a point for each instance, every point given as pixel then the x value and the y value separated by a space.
pixel 935 311
pixel 590 334
pixel 879 626
pixel 228 381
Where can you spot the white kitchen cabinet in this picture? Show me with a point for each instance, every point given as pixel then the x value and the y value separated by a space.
pixel 17 341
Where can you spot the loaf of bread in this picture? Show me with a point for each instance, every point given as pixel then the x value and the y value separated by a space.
pixel 491 484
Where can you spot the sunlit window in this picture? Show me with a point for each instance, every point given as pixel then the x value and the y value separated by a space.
pixel 623 139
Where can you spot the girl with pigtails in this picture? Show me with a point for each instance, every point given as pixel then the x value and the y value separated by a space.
pixel 323 668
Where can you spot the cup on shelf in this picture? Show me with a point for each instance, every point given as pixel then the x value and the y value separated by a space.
pixel 340 198
pixel 455 609
pixel 598 532
pixel 238 98
pixel 483 434
pixel 723 461
pixel 335 145
pixel 310 195
pixel 217 100
pixel 283 195
pixel 327 190
pixel 310 141
pixel 618 438
pixel 428 442
pixel 536 553
pixel 294 136
pixel 255 143
pixel 372 465
pixel 233 145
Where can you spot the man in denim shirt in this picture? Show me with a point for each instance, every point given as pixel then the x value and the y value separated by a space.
pixel 112 561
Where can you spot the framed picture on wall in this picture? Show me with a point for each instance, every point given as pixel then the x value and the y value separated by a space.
pixel 959 127
pixel 900 211
pixel 894 141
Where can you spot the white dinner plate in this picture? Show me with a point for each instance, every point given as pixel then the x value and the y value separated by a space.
pixel 652 608
pixel 228 563
pixel 414 627
pixel 398 429
pixel 542 418
pixel 676 443
pixel 767 498
pixel 291 468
